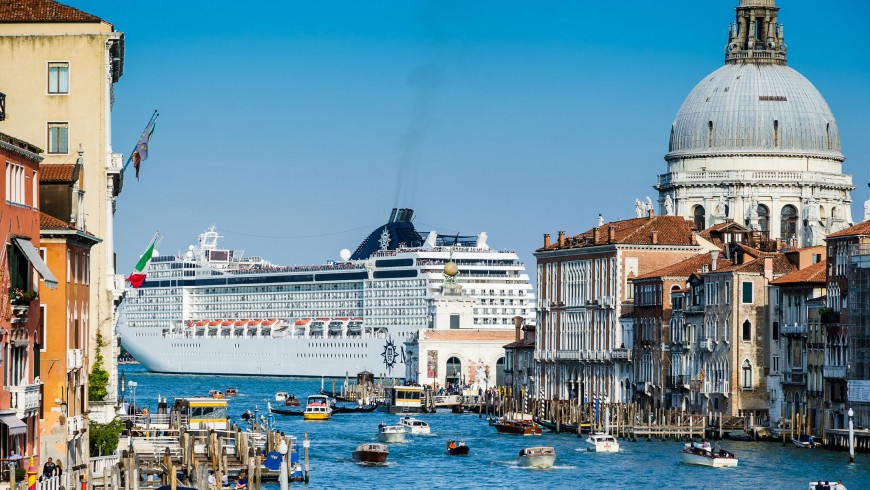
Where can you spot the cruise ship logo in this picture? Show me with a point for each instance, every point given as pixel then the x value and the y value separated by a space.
pixel 390 354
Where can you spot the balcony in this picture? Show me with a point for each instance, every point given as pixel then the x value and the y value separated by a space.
pixel 678 382
pixel 644 387
pixel 708 344
pixel 723 387
pixel 794 377
pixel 794 329
pixel 74 359
pixel 620 355
pixel 834 372
pixel 25 399
pixel 829 316
pixel 75 425
pixel 582 355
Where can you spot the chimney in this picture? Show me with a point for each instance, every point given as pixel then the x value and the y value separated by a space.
pixel 611 234
pixel 596 235
pixel 546 240
pixel 654 236
pixel 650 214
pixel 714 259
pixel 518 324
pixel 768 268
pixel 693 239
pixel 562 238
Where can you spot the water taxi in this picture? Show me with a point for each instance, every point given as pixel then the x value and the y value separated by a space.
pixel 402 399
pixel 537 457
pixel 703 455
pixel 518 427
pixel 231 391
pixel 317 408
pixel 806 442
pixel 414 426
pixel 216 394
pixel 391 433
pixel 602 443
pixel 371 453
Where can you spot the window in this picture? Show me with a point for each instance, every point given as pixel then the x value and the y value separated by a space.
pixel 788 223
pixel 15 183
pixel 35 185
pixel 58 138
pixel 775 364
pixel 747 292
pixel 710 134
pixel 700 220
pixel 58 78
pixel 747 330
pixel 776 134
pixel 43 338
pixel 763 218
pixel 775 331
pixel 747 374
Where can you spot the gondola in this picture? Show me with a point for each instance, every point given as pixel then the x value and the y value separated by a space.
pixel 549 425
pixel 281 411
pixel 356 409
pixel 336 395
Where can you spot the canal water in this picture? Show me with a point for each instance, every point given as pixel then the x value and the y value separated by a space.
pixel 421 462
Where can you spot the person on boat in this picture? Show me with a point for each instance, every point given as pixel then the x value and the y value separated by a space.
pixel 247 415
pixel 451 444
pixel 242 482
pixel 212 481
pixel 462 442
pixel 705 445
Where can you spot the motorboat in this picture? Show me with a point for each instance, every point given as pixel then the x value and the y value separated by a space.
pixel 414 426
pixel 518 427
pixel 391 433
pixel 291 401
pixel 354 409
pixel 231 391
pixel 739 435
pixel 833 485
pixel 218 394
pixel 602 443
pixel 457 448
pixel 537 457
pixel 317 408
pixel 806 441
pixel 703 455
pixel 371 453
pixel 281 396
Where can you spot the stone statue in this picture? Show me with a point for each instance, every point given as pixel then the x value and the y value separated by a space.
pixel 669 206
pixel 721 205
pixel 867 210
pixel 600 220
pixel 649 204
pixel 639 208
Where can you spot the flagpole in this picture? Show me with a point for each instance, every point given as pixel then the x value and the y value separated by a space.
pixel 135 147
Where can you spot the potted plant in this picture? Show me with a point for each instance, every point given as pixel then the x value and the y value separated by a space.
pixel 22 297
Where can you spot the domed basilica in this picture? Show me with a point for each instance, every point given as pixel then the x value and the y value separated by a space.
pixel 756 143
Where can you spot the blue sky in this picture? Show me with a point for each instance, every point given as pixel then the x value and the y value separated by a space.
pixel 290 125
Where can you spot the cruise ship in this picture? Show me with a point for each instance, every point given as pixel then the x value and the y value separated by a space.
pixel 214 310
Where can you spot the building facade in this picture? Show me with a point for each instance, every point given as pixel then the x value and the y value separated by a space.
pixel 520 368
pixel 21 267
pixel 584 289
pixel 756 143
pixel 65 312
pixel 60 95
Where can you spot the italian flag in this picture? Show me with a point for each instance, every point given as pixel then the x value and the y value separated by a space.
pixel 137 277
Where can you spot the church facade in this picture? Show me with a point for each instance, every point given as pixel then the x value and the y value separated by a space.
pixel 756 143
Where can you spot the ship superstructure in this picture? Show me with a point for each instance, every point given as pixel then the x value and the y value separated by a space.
pixel 213 310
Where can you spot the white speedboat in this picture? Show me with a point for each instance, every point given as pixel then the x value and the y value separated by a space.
pixel 602 443
pixel 391 433
pixel 281 396
pixel 414 426
pixel 834 485
pixel 700 455
pixel 537 457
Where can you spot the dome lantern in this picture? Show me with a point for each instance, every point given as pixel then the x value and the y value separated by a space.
pixel 756 36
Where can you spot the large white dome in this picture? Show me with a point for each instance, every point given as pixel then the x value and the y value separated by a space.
pixel 754 109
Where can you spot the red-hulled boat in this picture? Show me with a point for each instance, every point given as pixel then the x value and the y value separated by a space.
pixel 371 453
pixel 518 427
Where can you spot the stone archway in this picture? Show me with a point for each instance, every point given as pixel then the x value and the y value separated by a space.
pixel 453 373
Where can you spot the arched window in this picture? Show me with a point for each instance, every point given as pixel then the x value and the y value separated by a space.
pixel 776 134
pixel 454 371
pixel 700 218
pixel 788 222
pixel 763 218
pixel 828 136
pixel 499 372
pixel 747 330
pixel 710 134
pixel 747 374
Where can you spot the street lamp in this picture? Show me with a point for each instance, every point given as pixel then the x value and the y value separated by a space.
pixel 282 477
pixel 851 437
pixel 132 386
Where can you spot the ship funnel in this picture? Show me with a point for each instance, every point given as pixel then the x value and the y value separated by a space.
pixel 481 240
pixel 431 240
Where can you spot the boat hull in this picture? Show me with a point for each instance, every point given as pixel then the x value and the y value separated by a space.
pixel 713 462
pixel 602 447
pixel 397 436
pixel 517 428
pixel 370 457
pixel 315 416
pixel 458 451
pixel 544 461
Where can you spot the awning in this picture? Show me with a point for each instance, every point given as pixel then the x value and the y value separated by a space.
pixel 16 426
pixel 36 261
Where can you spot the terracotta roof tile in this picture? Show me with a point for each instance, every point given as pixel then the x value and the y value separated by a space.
pixel 57 173
pixel 670 230
pixel 42 11
pixel 684 268
pixel 468 334
pixel 781 265
pixel 859 229
pixel 815 274
pixel 47 222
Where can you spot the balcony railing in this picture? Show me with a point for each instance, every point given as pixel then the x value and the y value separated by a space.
pixel 794 377
pixel 74 359
pixel 794 329
pixel 834 372
pixel 25 399
pixel 582 355
pixel 620 354
pixel 723 387
pixel 678 382
pixel 708 344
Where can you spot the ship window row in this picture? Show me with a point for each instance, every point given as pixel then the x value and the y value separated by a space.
pixel 155 292
pixel 396 302
pixel 396 284
pixel 396 321
pixel 392 293
pixel 146 334
pixel 153 316
pixel 335 345
pixel 276 297
pixel 395 311
pixel 493 321
pixel 280 288
pixel 342 355
pixel 302 304
pixel 497 311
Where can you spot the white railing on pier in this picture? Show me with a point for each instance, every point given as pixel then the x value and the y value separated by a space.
pixel 53 483
pixel 101 466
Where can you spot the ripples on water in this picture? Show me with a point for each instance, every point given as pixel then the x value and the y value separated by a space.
pixel 422 460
